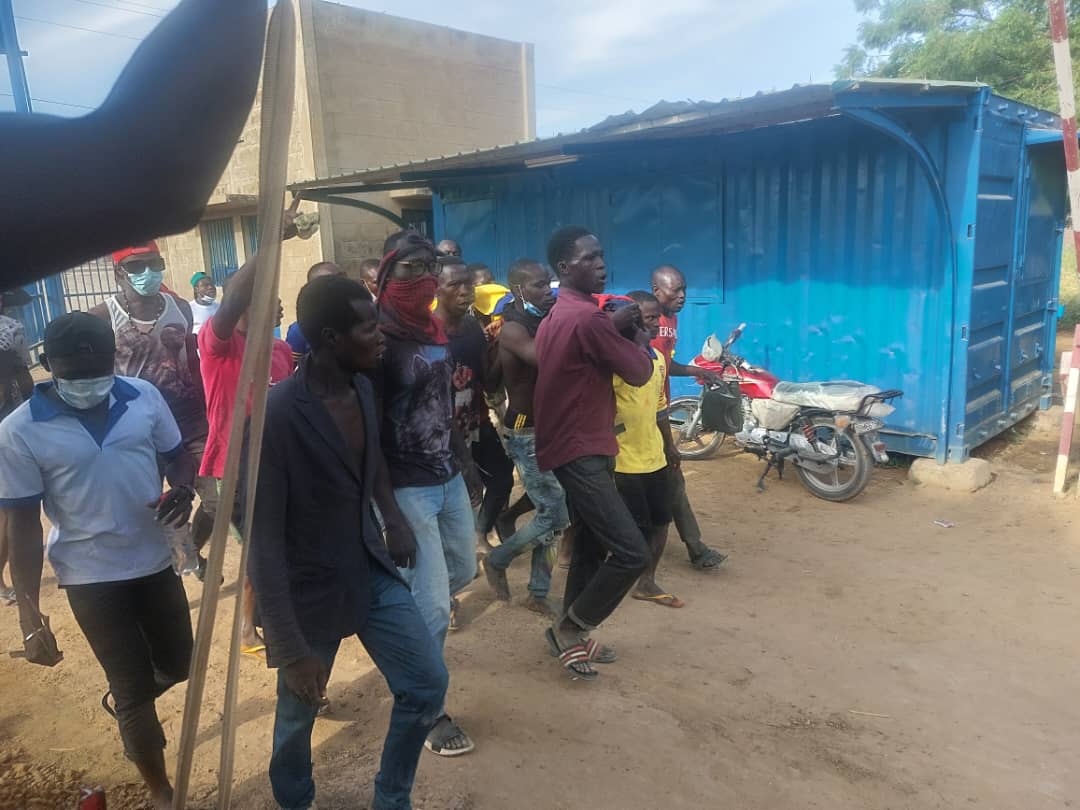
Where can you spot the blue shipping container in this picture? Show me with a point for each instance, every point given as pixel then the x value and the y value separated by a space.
pixel 906 234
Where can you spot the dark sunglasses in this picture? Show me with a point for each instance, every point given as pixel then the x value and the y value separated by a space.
pixel 135 266
pixel 418 267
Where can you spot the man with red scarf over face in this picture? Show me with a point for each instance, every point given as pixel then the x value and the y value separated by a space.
pixel 434 479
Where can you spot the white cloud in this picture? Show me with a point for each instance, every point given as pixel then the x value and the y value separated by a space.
pixel 606 32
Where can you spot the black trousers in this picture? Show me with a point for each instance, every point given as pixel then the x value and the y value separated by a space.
pixel 685 521
pixel 140 632
pixel 610 552
pixel 496 471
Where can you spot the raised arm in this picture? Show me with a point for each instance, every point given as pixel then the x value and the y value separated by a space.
pixel 241 286
pixel 155 163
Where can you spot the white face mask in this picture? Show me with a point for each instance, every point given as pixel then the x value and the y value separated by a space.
pixel 84 394
pixel 206 299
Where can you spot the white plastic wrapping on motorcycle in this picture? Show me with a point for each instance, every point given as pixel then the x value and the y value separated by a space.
pixel 712 349
pixel 835 395
pixel 773 415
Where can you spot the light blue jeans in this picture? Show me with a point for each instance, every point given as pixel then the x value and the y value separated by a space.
pixel 441 517
pixel 551 515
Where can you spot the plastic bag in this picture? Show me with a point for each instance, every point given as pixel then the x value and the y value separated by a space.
pixel 773 415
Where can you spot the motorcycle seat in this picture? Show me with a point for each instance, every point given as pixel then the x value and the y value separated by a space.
pixel 835 395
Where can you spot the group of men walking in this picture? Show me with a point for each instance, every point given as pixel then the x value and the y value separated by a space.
pixel 378 447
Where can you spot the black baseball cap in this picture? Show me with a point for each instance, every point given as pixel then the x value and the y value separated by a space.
pixel 78 333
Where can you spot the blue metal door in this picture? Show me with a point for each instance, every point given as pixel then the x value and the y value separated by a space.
pixel 471 223
pixel 220 241
pixel 1010 344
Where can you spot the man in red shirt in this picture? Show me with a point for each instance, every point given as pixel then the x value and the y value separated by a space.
pixel 221 354
pixel 578 350
pixel 669 287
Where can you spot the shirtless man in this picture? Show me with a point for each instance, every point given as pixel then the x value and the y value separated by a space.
pixel 533 298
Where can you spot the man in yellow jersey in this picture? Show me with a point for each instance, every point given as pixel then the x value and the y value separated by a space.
pixel 647 456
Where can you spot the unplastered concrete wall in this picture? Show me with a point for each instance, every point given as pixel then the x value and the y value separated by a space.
pixel 390 90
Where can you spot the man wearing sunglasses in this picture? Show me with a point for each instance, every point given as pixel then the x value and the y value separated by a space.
pixel 154 342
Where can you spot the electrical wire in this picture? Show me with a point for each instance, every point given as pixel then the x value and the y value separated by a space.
pixel 79 28
pixel 118 8
pixel 49 101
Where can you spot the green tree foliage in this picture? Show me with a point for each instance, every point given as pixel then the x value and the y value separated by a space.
pixel 1003 43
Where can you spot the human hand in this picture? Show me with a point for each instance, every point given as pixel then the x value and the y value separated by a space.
pixel 628 316
pixel 401 544
pixel 710 377
pixel 288 222
pixel 174 507
pixel 306 678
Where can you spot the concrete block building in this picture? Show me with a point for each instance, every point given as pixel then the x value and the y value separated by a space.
pixel 371 90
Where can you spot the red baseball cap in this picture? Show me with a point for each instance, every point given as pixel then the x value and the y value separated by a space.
pixel 149 247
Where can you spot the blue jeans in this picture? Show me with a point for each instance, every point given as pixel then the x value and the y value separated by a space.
pixel 398 641
pixel 441 517
pixel 551 515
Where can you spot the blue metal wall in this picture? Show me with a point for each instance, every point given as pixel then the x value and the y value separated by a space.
pixel 830 241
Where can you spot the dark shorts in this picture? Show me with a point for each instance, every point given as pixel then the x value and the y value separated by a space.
pixel 648 496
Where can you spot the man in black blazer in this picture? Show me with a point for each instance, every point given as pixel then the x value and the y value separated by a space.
pixel 319 566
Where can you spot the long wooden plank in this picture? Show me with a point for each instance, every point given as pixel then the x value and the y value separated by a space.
pixel 279 81
pixel 1068 419
pixel 253 383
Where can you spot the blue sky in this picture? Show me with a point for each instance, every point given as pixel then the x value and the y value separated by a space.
pixel 593 57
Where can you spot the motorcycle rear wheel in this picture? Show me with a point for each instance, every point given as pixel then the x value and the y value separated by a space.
pixel 695 443
pixel 854 457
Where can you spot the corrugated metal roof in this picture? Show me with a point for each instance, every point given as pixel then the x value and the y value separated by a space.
pixel 662 120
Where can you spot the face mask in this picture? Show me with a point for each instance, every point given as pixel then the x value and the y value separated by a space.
pixel 148 282
pixel 206 300
pixel 532 309
pixel 84 394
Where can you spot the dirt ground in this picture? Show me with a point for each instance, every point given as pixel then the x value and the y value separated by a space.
pixel 848 656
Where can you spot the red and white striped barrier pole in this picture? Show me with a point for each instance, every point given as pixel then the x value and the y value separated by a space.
pixel 1068 420
pixel 1059 33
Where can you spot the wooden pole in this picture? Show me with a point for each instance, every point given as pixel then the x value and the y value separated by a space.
pixel 1059 33
pixel 279 79
pixel 1068 419
pixel 253 383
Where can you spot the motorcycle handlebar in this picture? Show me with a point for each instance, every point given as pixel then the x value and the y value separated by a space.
pixel 736 333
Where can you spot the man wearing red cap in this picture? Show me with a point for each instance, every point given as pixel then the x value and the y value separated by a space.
pixel 154 342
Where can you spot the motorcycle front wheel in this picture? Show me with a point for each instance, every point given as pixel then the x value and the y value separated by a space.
pixel 691 440
pixel 848 475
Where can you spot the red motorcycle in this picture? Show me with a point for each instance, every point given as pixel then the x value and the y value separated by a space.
pixel 828 430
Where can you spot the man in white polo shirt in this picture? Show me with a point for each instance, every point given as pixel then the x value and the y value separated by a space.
pixel 85 445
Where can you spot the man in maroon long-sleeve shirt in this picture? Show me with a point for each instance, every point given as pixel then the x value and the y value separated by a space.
pixel 578 349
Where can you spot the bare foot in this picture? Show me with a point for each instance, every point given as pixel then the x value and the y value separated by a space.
pixel 496 578
pixel 539 604
pixel 250 639
pixel 656 595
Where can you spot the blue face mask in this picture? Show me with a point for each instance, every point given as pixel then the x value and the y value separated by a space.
pixel 532 309
pixel 84 394
pixel 146 283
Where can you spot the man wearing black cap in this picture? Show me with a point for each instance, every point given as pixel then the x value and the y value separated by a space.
pixel 86 446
